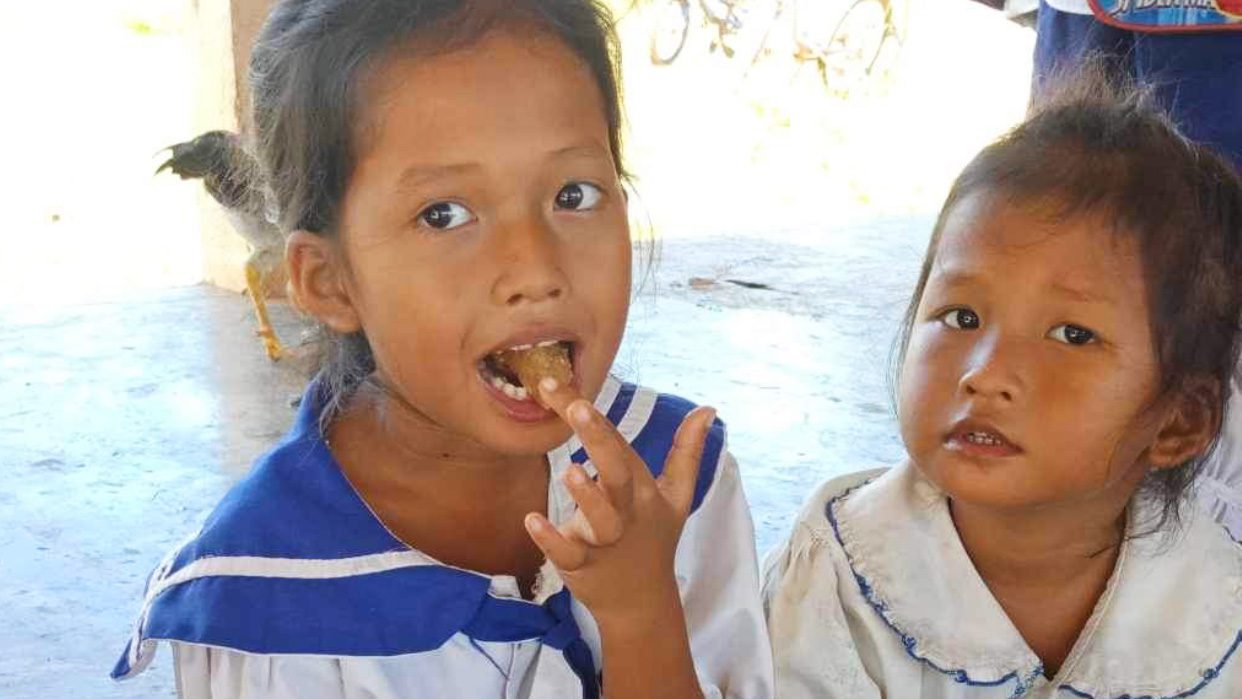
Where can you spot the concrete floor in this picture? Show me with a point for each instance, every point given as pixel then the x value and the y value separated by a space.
pixel 122 423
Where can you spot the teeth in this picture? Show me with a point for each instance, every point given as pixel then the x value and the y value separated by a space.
pixel 514 392
pixel 982 438
pixel 502 384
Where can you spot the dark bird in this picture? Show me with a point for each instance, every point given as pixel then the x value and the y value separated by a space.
pixel 234 179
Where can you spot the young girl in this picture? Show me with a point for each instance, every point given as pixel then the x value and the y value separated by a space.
pixel 449 175
pixel 1066 364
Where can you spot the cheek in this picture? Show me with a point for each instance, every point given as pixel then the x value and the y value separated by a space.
pixel 600 268
pixel 1088 408
pixel 415 329
pixel 927 383
pixel 928 370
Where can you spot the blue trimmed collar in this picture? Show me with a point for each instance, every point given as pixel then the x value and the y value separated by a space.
pixel 293 561
pixel 1169 623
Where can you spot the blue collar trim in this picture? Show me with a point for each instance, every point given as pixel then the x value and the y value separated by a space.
pixel 295 510
pixel 1022 683
pixel 1208 675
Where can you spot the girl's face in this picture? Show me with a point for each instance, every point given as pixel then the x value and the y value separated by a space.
pixel 484 213
pixel 1030 369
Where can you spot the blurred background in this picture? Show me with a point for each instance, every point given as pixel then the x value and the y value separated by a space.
pixel 790 157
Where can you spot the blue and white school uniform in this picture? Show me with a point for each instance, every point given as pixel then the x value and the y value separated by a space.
pixel 874 596
pixel 293 589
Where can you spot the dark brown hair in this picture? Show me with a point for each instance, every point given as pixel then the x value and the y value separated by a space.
pixel 308 75
pixel 1097 146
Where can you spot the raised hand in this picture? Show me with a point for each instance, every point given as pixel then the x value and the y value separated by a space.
pixel 616 554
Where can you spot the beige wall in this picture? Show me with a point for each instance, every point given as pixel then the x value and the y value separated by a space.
pixel 223 32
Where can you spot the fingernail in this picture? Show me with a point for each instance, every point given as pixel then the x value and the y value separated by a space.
pixel 577 476
pixel 580 413
pixel 534 522
pixel 548 384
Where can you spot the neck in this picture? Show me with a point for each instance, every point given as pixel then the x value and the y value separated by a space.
pixel 1040 547
pixel 401 445
pixel 441 492
pixel 1047 567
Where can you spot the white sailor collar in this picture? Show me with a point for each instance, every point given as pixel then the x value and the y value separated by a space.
pixel 293 561
pixel 1168 624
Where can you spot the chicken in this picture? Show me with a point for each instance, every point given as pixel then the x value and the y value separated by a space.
pixel 233 178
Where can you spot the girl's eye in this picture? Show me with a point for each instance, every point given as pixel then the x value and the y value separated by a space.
pixel 960 319
pixel 578 196
pixel 445 215
pixel 1072 334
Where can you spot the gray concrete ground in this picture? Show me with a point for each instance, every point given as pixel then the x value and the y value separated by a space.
pixel 122 423
pixel 123 419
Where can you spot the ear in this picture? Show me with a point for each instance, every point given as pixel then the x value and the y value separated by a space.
pixel 317 276
pixel 1189 426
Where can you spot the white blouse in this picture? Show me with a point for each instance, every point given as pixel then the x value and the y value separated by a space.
pixel 874 596
pixel 294 590
pixel 1220 485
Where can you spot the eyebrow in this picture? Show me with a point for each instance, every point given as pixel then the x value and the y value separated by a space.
pixel 416 175
pixel 591 149
pixel 952 278
pixel 1081 295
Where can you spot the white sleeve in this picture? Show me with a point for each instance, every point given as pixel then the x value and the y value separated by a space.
pixel 1220 484
pixel 718 575
pixel 213 673
pixel 815 653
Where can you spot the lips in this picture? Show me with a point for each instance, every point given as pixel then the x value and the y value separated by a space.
pixel 517 370
pixel 501 375
pixel 981 438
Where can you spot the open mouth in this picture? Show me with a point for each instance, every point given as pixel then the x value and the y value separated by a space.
pixel 516 371
pixel 986 439
pixel 981 440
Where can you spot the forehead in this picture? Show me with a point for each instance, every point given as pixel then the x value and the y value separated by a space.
pixel 514 91
pixel 1026 243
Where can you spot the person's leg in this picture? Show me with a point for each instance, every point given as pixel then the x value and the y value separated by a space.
pixel 1063 40
pixel 1199 80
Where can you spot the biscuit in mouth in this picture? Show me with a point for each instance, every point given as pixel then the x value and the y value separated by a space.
pixel 517 371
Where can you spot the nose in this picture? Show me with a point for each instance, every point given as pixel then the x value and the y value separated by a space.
pixel 531 263
pixel 993 370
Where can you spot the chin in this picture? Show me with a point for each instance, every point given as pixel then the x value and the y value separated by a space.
pixel 531 440
pixel 973 484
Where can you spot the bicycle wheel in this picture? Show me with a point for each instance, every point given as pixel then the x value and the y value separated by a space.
pixel 669 29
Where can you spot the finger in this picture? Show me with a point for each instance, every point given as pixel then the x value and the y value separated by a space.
pixel 566 555
pixel 681 466
pixel 614 458
pixel 612 455
pixel 602 518
pixel 557 397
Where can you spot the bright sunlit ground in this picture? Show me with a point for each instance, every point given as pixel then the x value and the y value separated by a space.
pixel 718 145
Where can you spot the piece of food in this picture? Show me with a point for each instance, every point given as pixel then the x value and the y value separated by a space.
pixel 531 365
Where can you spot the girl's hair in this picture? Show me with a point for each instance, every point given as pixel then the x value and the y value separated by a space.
pixel 1097 146
pixel 308 76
